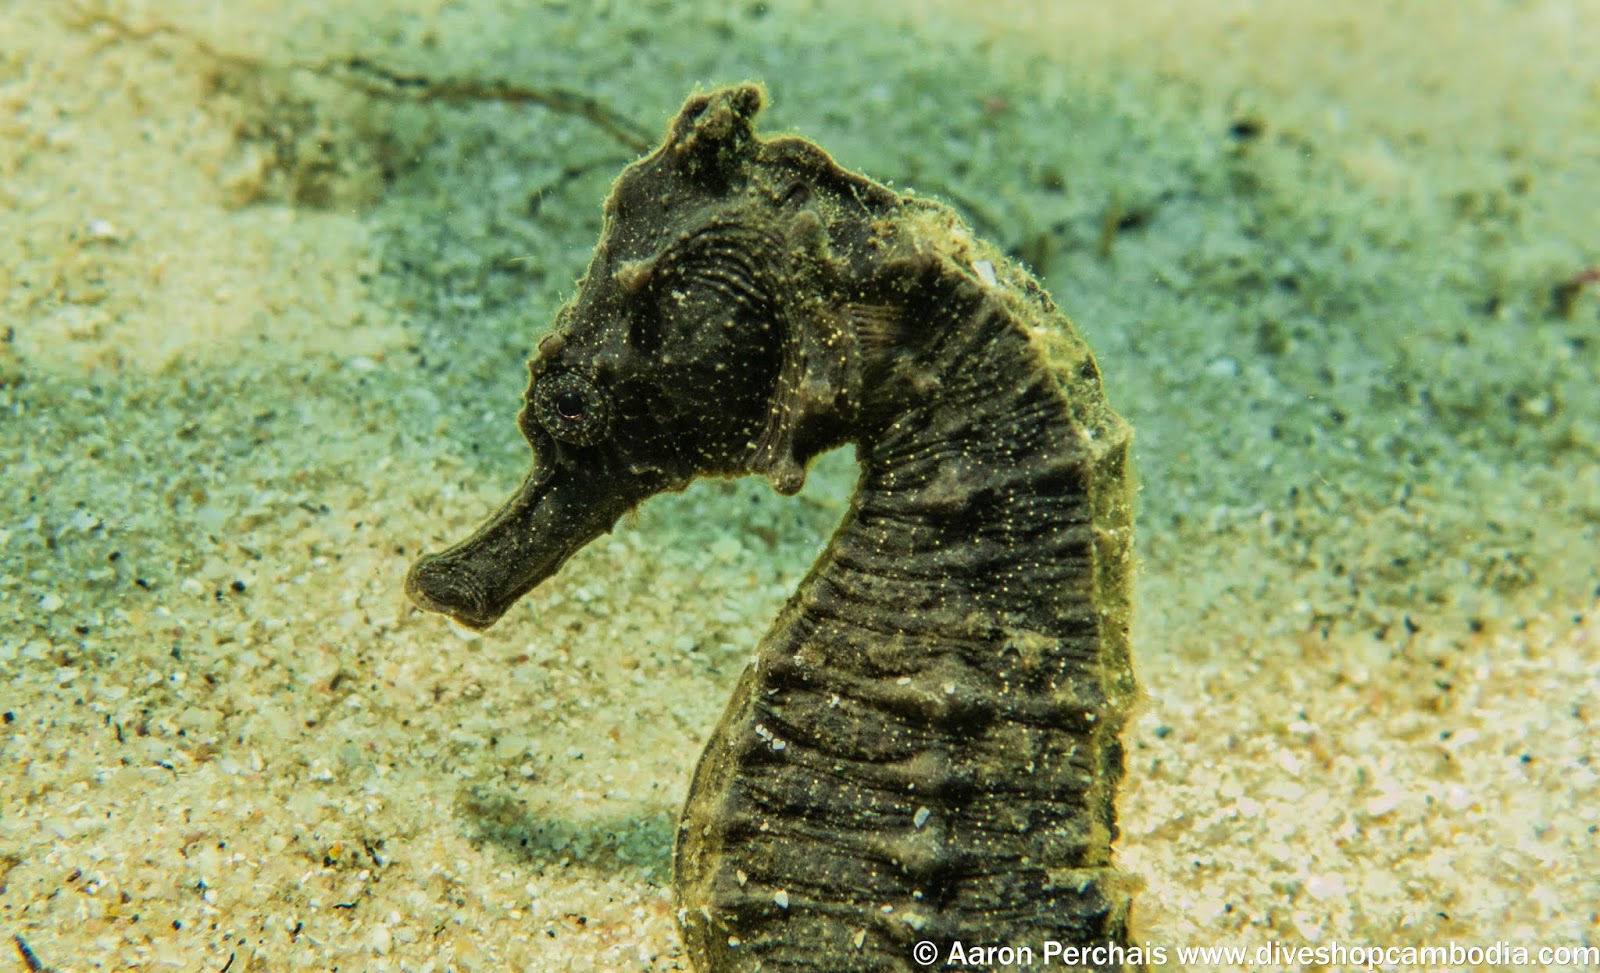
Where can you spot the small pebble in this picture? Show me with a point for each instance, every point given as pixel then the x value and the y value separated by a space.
pixel 1384 803
pixel 104 231
pixel 1325 887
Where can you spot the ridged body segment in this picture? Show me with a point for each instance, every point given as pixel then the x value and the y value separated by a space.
pixel 926 745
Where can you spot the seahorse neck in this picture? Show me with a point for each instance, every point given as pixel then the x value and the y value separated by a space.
pixel 976 506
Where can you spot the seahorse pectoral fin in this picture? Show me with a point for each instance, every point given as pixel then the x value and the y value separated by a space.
pixel 551 516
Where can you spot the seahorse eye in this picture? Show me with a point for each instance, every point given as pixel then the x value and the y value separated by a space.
pixel 571 408
pixel 569 405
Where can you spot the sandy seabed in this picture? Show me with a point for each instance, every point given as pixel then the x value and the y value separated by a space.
pixel 263 331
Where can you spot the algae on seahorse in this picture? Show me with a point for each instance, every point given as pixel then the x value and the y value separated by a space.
pixel 925 748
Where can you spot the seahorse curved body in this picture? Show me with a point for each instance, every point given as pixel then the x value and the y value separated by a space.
pixel 925 748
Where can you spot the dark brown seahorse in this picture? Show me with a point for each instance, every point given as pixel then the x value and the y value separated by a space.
pixel 926 745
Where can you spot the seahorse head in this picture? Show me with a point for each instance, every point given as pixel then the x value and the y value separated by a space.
pixel 710 336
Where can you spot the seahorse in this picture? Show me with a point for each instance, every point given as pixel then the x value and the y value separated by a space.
pixel 924 751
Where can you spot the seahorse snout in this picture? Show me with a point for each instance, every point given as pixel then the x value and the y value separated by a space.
pixel 437 584
pixel 553 513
